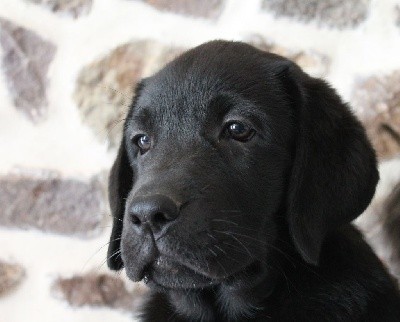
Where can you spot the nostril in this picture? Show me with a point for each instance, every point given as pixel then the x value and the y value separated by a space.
pixel 154 212
pixel 160 218
pixel 135 220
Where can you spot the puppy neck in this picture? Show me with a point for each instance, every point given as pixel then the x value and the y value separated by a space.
pixel 243 296
pixel 235 299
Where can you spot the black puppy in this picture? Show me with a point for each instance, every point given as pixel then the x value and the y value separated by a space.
pixel 232 193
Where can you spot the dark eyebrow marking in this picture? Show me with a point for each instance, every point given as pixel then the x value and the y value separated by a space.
pixel 232 106
pixel 224 103
pixel 143 117
pixel 219 106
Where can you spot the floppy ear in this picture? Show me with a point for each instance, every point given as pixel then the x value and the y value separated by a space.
pixel 119 185
pixel 334 172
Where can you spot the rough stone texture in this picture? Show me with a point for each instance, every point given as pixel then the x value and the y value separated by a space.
pixel 377 102
pixel 74 8
pixel 391 228
pixel 397 9
pixel 11 276
pixel 105 88
pixel 312 62
pixel 196 8
pixel 99 290
pixel 50 203
pixel 332 13
pixel 381 226
pixel 25 62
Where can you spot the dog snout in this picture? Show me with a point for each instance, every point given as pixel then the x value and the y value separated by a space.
pixel 155 211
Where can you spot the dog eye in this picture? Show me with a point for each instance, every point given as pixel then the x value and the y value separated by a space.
pixel 143 142
pixel 239 131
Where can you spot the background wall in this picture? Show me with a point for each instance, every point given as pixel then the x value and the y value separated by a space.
pixel 68 69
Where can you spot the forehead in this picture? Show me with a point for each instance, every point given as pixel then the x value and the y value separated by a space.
pixel 174 96
pixel 207 82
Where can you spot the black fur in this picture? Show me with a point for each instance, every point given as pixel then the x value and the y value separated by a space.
pixel 263 231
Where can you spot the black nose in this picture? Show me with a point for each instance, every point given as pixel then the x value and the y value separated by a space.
pixel 157 211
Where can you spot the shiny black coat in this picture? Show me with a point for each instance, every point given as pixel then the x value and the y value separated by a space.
pixel 249 226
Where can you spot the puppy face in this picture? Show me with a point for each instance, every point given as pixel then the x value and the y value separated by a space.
pixel 216 156
pixel 219 146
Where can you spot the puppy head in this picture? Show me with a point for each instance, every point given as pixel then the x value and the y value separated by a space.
pixel 216 147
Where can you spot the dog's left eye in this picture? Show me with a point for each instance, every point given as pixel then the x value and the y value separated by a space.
pixel 239 131
pixel 143 141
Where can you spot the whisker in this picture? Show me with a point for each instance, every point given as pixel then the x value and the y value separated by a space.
pixel 236 224
pixel 113 125
pixel 226 221
pixel 118 252
pixel 125 95
pixel 220 249
pixel 205 187
pixel 264 243
pixel 97 251
pixel 230 235
pixel 106 226
pixel 228 210
pixel 212 252
pixel 233 215
pixel 226 254
pixel 275 266
pixel 222 266
pixel 213 237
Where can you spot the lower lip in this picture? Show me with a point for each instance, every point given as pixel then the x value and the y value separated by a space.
pixel 176 276
pixel 171 279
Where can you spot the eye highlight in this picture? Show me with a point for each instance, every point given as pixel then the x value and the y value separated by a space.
pixel 239 131
pixel 143 142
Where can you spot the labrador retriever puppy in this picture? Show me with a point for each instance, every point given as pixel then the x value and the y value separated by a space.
pixel 233 191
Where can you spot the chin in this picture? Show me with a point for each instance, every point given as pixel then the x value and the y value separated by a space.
pixel 165 274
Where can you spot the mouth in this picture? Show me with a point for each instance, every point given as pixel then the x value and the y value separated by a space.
pixel 165 274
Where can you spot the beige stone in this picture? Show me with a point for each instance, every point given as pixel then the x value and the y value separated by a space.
pixel 11 275
pixel 380 224
pixel 332 13
pixel 391 228
pixel 51 203
pixel 26 59
pixel 74 8
pixel 377 102
pixel 196 8
pixel 99 290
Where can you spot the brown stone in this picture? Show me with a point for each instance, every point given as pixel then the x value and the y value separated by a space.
pixel 196 8
pixel 48 202
pixel 377 102
pixel 391 228
pixel 73 8
pixel 331 13
pixel 11 276
pixel 99 290
pixel 312 62
pixel 380 224
pixel 105 88
pixel 25 61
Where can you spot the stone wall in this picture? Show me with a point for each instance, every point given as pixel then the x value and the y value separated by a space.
pixel 68 71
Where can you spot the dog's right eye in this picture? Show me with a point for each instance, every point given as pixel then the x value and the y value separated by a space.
pixel 143 142
pixel 239 131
